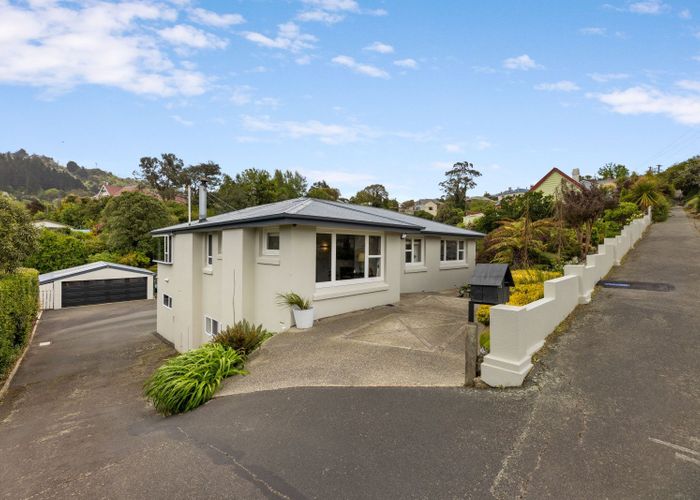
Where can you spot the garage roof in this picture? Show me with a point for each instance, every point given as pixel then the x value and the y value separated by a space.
pixel 86 268
pixel 324 212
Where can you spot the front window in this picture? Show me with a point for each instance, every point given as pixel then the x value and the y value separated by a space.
pixel 167 301
pixel 414 251
pixel 211 326
pixel 271 242
pixel 453 251
pixel 347 258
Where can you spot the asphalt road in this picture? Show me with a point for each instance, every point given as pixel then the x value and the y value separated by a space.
pixel 612 411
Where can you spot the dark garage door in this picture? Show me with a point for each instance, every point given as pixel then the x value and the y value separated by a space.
pixel 82 293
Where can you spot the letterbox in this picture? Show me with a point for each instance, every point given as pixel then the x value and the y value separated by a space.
pixel 490 284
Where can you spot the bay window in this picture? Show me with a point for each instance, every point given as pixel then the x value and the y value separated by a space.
pixel 453 251
pixel 414 251
pixel 343 258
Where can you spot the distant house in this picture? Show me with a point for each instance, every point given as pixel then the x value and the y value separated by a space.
pixel 551 183
pixel 511 192
pixel 429 205
pixel 108 191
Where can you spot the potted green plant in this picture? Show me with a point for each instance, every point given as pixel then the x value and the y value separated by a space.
pixel 302 309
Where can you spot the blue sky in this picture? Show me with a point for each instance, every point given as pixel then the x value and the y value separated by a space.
pixel 355 92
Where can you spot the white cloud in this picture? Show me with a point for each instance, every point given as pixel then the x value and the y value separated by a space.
pixel 50 45
pixel 483 69
pixel 270 102
pixel 242 95
pixel 376 12
pixel 652 7
pixel 182 121
pixel 380 47
pixel 189 36
pixel 560 86
pixel 523 62
pixel 334 5
pixel 303 60
pixel 483 144
pixel 454 148
pixel 645 100
pixel 685 14
pixel 209 18
pixel 320 16
pixel 593 31
pixel 606 77
pixel 693 85
pixel 289 37
pixel 442 165
pixel 696 58
pixel 407 63
pixel 364 69
pixel 324 132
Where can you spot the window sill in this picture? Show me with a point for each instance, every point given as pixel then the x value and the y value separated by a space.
pixel 208 270
pixel 339 291
pixel 163 262
pixel 220 257
pixel 267 260
pixel 415 269
pixel 453 265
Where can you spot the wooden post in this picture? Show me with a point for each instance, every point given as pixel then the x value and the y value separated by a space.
pixel 471 352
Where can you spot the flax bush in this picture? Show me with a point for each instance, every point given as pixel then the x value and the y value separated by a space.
pixel 189 380
pixel 242 337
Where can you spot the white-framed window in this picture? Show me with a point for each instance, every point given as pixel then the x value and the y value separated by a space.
pixel 345 258
pixel 413 251
pixel 453 251
pixel 209 249
pixel 167 301
pixel 219 243
pixel 211 326
pixel 271 241
pixel 165 249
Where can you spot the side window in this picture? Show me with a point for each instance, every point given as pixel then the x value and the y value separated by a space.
pixel 167 301
pixel 271 242
pixel 211 326
pixel 209 249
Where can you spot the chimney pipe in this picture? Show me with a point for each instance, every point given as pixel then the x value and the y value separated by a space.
pixel 202 201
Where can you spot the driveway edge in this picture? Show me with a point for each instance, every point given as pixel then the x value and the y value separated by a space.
pixel 6 385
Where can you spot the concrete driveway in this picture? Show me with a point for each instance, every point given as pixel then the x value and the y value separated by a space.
pixel 417 342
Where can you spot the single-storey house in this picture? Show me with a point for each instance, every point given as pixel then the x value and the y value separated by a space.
pixel 94 283
pixel 428 205
pixel 551 183
pixel 219 270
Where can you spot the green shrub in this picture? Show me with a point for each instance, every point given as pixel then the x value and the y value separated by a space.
pixel 483 314
pixel 189 380
pixel 19 304
pixel 659 212
pixel 243 337
pixel 694 205
pixel 485 339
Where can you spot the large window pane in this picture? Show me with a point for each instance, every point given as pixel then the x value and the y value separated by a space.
pixel 349 256
pixel 374 267
pixel 375 245
pixel 417 251
pixel 450 250
pixel 323 258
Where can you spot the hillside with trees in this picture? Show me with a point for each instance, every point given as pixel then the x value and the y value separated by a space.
pixel 26 176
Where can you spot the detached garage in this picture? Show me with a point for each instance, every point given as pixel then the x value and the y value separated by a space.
pixel 95 283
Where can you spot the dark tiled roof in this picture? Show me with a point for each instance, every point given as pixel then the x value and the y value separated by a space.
pixel 320 212
pixel 86 268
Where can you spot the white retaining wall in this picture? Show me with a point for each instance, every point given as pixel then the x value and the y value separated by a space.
pixel 517 332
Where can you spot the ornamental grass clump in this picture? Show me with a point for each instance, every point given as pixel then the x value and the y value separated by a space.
pixel 243 337
pixel 189 380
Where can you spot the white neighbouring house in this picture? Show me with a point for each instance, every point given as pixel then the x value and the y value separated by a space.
pixel 219 270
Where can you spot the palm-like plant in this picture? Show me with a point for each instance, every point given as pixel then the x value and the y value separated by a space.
pixel 515 240
pixel 645 193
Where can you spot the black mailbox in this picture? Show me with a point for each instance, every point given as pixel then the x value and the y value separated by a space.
pixel 489 284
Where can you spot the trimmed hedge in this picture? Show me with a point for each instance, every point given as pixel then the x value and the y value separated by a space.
pixel 19 304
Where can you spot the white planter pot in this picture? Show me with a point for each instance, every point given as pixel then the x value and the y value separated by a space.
pixel 304 318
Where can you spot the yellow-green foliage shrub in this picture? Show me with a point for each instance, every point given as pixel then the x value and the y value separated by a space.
pixel 529 287
pixel 19 304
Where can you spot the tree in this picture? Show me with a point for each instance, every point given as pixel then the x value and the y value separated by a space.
pixel 209 172
pixel 515 241
pixel 250 188
pixel 129 219
pixel 17 235
pixel 613 171
pixel 407 206
pixel 423 214
pixel 322 191
pixel 580 209
pixel 167 174
pixel 685 176
pixel 374 195
pixel 289 185
pixel 460 179
pixel 447 213
pixel 56 250
pixel 535 203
